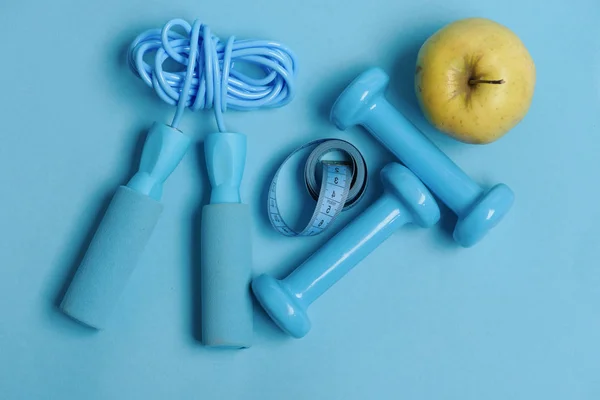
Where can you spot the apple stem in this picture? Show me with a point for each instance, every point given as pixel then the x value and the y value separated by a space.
pixel 495 82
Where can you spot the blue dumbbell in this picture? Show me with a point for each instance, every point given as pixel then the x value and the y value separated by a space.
pixel 405 200
pixel 363 103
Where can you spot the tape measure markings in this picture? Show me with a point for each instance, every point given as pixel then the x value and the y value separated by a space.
pixel 342 185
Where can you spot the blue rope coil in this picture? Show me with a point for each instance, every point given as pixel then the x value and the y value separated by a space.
pixel 209 78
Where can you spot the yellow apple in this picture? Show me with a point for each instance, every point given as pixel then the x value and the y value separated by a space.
pixel 474 80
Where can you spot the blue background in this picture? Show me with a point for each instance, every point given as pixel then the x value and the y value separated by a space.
pixel 516 317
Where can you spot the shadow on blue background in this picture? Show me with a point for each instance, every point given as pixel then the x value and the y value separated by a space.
pixel 401 94
pixel 77 246
pixel 514 318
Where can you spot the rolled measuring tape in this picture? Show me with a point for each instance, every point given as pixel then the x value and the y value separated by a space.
pixel 342 185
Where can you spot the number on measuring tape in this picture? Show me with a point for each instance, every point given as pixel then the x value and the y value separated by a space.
pixel 336 181
pixel 334 192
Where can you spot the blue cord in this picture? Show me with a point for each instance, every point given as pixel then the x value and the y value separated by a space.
pixel 210 79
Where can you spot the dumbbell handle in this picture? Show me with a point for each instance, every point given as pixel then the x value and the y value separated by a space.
pixel 345 250
pixel 405 200
pixel 424 158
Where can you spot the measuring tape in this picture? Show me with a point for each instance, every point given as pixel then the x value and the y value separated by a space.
pixel 342 186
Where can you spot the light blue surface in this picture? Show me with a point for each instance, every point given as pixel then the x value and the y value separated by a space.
pixel 364 103
pixel 515 317
pixel 405 200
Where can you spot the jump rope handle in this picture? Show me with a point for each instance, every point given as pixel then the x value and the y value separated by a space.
pixel 124 231
pixel 226 247
pixel 207 80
